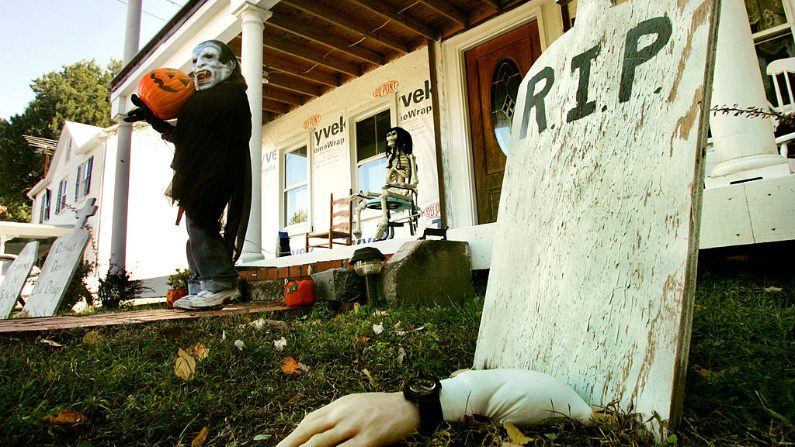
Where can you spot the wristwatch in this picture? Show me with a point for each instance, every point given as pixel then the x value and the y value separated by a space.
pixel 425 393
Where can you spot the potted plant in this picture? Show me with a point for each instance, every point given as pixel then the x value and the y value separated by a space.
pixel 178 283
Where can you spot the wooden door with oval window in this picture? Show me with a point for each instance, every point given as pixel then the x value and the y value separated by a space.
pixel 494 71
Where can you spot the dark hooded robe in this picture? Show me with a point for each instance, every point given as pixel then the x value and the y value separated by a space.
pixel 212 166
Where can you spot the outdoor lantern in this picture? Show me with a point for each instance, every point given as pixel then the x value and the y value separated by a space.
pixel 368 262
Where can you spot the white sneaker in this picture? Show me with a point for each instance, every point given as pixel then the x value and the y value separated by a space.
pixel 206 300
pixel 184 302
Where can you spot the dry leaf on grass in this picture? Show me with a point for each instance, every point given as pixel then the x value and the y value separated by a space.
pixel 185 366
pixel 378 328
pixel 92 338
pixel 280 343
pixel 401 355
pixel 66 417
pixel 200 438
pixel 515 435
pixel 290 366
pixel 701 371
pixel 362 340
pixel 199 351
pixel 773 289
pixel 369 376
pixel 258 323
pixel 51 343
pixel 356 307
pixel 239 344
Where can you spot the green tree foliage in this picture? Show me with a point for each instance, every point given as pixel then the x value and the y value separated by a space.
pixel 79 93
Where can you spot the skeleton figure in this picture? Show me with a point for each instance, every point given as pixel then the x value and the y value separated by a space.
pixel 400 180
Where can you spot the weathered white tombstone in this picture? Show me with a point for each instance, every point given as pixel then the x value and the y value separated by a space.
pixel 15 278
pixel 59 267
pixel 593 267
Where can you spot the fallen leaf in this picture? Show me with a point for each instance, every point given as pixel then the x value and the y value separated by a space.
pixel 92 338
pixel 362 340
pixel 185 366
pixel 701 371
pixel 380 313
pixel 280 343
pixel 239 344
pixel 398 326
pixel 290 366
pixel 515 435
pixel 378 328
pixel 401 355
pixel 51 343
pixel 773 289
pixel 603 416
pixel 337 318
pixel 258 323
pixel 223 335
pixel 356 307
pixel 200 438
pixel 369 376
pixel 199 351
pixel 262 437
pixel 303 367
pixel 66 417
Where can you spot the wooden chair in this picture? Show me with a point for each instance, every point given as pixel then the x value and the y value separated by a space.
pixel 781 72
pixel 340 225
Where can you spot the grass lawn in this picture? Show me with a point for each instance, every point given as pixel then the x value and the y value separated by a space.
pixel 121 380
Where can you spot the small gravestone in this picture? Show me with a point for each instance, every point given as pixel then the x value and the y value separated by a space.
pixel 15 278
pixel 56 273
pixel 593 266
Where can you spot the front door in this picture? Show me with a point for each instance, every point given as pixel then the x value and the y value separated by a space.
pixel 494 71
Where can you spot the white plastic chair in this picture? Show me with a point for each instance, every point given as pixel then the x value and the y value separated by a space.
pixel 783 68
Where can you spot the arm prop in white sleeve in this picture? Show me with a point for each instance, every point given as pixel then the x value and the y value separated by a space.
pixel 511 395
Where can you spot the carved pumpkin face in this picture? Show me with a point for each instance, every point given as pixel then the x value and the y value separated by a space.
pixel 165 91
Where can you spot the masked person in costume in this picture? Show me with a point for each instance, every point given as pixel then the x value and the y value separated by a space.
pixel 212 172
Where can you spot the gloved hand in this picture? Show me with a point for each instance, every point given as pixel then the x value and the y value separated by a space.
pixel 143 112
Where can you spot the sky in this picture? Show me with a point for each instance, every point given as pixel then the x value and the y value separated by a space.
pixel 41 36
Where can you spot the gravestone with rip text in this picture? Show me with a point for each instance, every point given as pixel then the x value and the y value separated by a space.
pixel 59 267
pixel 593 266
pixel 15 278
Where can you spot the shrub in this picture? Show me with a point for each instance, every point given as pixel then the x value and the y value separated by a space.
pixel 117 288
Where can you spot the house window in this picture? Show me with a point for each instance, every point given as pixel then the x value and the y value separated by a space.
pixel 370 151
pixel 60 199
pixel 771 24
pixel 83 181
pixel 44 211
pixel 296 187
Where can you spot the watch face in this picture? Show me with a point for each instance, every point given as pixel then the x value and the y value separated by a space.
pixel 422 386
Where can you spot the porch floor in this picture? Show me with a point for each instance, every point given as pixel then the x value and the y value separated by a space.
pixel 43 324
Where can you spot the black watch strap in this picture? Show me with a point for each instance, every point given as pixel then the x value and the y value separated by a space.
pixel 425 393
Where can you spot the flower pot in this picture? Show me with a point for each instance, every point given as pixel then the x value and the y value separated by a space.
pixel 173 295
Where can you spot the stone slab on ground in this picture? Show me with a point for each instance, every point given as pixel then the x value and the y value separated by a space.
pixel 339 284
pixel 15 278
pixel 267 291
pixel 593 265
pixel 428 272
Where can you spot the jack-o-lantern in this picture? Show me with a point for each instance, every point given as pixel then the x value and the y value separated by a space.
pixel 165 91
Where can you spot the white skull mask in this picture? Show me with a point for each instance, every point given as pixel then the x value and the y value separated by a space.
pixel 208 70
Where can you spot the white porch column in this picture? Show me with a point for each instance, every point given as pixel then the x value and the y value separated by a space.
pixel 744 147
pixel 252 17
pixel 118 242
